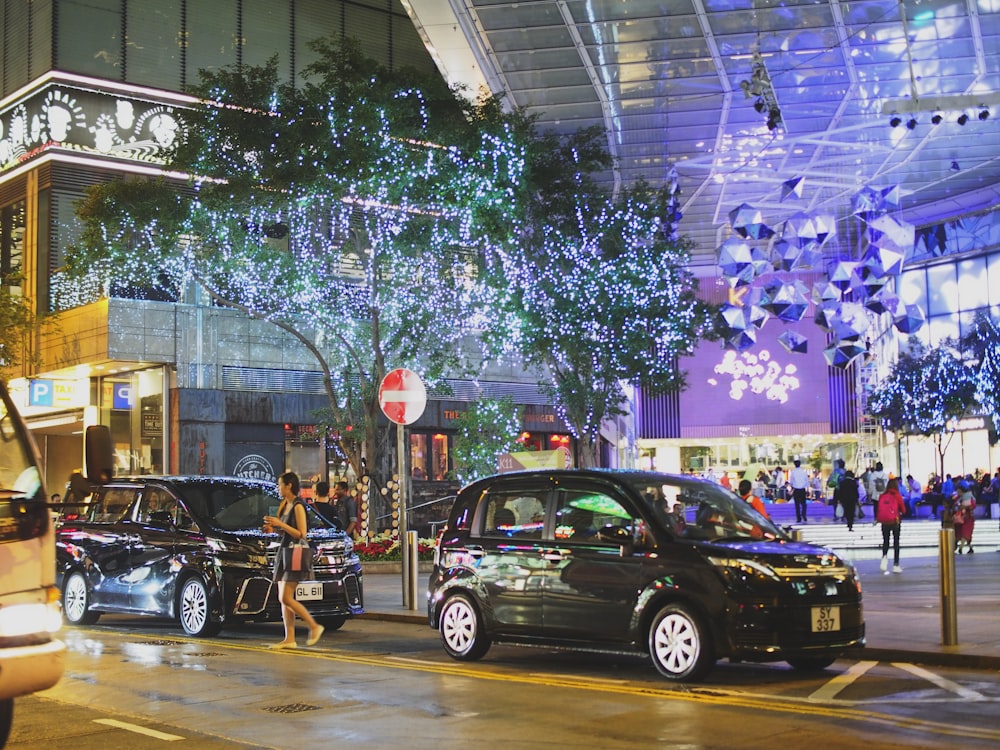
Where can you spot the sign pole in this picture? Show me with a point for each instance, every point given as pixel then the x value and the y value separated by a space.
pixel 403 541
pixel 403 397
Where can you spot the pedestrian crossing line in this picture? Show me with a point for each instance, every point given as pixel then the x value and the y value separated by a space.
pixel 830 690
pixel 941 682
pixel 135 728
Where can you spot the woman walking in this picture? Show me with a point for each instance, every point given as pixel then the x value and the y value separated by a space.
pixel 889 512
pixel 291 521
pixel 964 517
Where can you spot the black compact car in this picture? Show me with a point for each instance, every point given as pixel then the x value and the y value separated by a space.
pixel 193 549
pixel 675 567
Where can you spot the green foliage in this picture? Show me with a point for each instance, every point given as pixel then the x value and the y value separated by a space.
pixel 927 390
pixel 595 290
pixel 17 322
pixel 982 345
pixel 488 428
pixel 351 212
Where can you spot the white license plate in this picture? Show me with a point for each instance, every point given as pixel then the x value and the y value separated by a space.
pixel 310 591
pixel 825 619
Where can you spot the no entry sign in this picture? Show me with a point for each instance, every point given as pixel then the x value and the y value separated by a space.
pixel 402 396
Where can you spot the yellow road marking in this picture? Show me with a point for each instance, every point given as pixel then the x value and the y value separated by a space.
pixel 704 696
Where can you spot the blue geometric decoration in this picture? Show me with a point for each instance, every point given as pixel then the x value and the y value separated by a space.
pixel 848 321
pixel 841 273
pixel 910 320
pixel 747 222
pixel 789 302
pixel 883 301
pixel 889 243
pixel 792 188
pixel 736 262
pixel 842 353
pixel 794 343
pixel 865 282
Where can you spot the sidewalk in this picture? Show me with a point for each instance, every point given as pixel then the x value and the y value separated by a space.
pixel 902 611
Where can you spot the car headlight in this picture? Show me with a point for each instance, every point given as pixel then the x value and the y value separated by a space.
pixel 744 566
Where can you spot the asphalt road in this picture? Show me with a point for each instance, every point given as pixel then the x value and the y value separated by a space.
pixel 133 683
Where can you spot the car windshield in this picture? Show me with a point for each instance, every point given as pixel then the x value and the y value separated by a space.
pixel 237 506
pixel 702 510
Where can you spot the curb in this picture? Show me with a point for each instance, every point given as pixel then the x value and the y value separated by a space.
pixel 976 662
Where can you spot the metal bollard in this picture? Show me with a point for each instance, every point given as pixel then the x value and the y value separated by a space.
pixel 413 557
pixel 946 569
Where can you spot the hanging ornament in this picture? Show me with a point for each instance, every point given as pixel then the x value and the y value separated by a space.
pixel 794 343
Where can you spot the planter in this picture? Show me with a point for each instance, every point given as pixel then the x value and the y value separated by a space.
pixel 392 566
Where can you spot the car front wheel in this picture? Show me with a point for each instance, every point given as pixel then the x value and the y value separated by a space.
pixel 462 631
pixel 76 601
pixel 195 609
pixel 679 645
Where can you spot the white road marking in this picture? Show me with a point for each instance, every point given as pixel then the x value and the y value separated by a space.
pixel 841 681
pixel 941 682
pixel 139 730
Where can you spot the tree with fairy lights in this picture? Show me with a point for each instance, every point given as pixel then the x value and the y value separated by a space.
pixel 596 289
pixel 351 212
pixel 982 344
pixel 927 391
pixel 485 430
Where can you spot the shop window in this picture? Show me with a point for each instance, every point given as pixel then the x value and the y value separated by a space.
pixel 419 457
pixel 439 457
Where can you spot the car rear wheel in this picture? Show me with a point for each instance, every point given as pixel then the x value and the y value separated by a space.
pixel 76 601
pixel 812 663
pixel 462 631
pixel 195 609
pixel 680 645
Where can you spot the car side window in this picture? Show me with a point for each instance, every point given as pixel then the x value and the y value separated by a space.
pixel 595 516
pixel 519 514
pixel 112 504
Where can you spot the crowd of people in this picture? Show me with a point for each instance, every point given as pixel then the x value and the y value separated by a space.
pixel 889 499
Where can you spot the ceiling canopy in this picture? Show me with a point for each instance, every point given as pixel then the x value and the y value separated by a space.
pixel 788 106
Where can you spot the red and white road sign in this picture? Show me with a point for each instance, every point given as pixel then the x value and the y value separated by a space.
pixel 402 396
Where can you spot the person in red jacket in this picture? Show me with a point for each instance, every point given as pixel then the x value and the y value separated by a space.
pixel 889 512
pixel 746 492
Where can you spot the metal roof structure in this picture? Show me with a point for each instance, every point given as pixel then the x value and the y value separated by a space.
pixel 790 106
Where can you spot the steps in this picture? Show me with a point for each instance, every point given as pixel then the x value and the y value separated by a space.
pixel 918 537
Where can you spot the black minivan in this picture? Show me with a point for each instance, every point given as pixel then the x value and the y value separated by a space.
pixel 675 567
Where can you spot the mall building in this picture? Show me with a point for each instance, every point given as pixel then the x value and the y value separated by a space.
pixel 92 92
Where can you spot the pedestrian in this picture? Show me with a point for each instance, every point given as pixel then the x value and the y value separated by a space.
pixel 846 495
pixel 346 508
pixel 889 512
pixel 322 503
pixel 291 521
pixel 964 517
pixel 877 482
pixel 915 493
pixel 746 492
pixel 799 480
